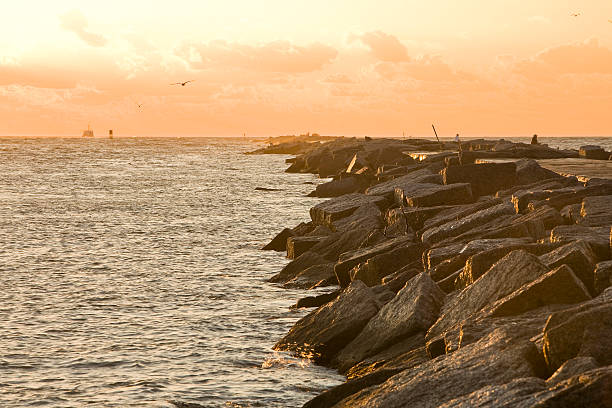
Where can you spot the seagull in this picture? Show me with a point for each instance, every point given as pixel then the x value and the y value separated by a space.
pixel 139 105
pixel 183 83
pixel 576 14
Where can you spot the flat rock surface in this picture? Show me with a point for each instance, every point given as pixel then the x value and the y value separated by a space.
pixel 327 212
pixel 582 168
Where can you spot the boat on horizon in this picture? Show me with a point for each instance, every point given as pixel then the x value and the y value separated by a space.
pixel 88 132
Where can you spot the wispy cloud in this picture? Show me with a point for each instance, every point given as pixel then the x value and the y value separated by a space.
pixel 76 22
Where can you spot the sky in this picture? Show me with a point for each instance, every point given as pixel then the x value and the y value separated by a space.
pixel 335 67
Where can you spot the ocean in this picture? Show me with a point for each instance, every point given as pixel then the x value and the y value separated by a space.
pixel 131 274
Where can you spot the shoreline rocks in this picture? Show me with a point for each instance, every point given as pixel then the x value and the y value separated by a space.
pixel 455 283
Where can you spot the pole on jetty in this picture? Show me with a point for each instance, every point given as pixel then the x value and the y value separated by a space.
pixel 436 133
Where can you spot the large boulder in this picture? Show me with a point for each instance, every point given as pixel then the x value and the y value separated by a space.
pixel 349 260
pixel 327 212
pixel 596 211
pixel 296 246
pixel 528 171
pixel 559 286
pixel 374 269
pixel 507 275
pixel 593 152
pixel 485 178
pixel 412 310
pixel 459 226
pixel 404 182
pixel 577 255
pixel 500 357
pixel 279 242
pixel 583 331
pixel 325 331
pixel 293 268
pixel 603 276
pixel 597 237
pixel 322 274
pixel 341 186
pixel 433 195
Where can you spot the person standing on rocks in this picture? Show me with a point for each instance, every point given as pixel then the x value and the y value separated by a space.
pixel 534 140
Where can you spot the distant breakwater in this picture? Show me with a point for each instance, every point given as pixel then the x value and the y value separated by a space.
pixel 460 274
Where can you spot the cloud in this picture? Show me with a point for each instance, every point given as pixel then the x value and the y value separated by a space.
pixel 384 46
pixel 76 22
pixel 581 58
pixel 273 57
pixel 426 68
pixel 338 79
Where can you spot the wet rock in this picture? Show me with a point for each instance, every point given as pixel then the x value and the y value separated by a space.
pixel 596 211
pixel 279 242
pixel 412 310
pixel 494 360
pixel 316 301
pixel 299 264
pixel 559 286
pixel 597 237
pixel 457 227
pixel 572 367
pixel 325 331
pixel 579 256
pixel 296 246
pixel 507 275
pixel 485 178
pixel 593 152
pixel 603 276
pixel 349 260
pixel 303 228
pixel 435 195
pixel 311 276
pixel 579 332
pixel 327 212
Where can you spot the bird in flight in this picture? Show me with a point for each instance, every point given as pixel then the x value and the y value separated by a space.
pixel 183 83
pixel 139 105
pixel 576 14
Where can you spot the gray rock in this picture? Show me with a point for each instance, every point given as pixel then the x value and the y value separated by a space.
pixel 571 213
pixel 596 211
pixel 494 360
pixel 459 226
pixel 597 237
pixel 579 332
pixel 579 256
pixel 456 212
pixel 327 212
pixel 299 264
pixel 460 193
pixel 296 246
pixel 311 276
pixel 404 182
pixel 349 260
pixel 559 286
pixel 341 186
pixel 316 301
pixel 279 242
pixel 396 224
pixel 529 171
pixel 592 388
pixel 516 393
pixel 603 276
pixel 593 152
pixel 325 331
pixel 572 367
pixel 507 275
pixel 485 178
pixel 373 270
pixel 412 310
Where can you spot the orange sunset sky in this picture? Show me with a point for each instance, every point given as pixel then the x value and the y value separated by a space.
pixel 268 67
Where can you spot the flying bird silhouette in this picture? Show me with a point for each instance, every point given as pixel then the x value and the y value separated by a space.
pixel 183 83
pixel 139 105
pixel 575 14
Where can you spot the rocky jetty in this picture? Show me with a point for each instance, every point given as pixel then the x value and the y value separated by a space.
pixel 455 283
